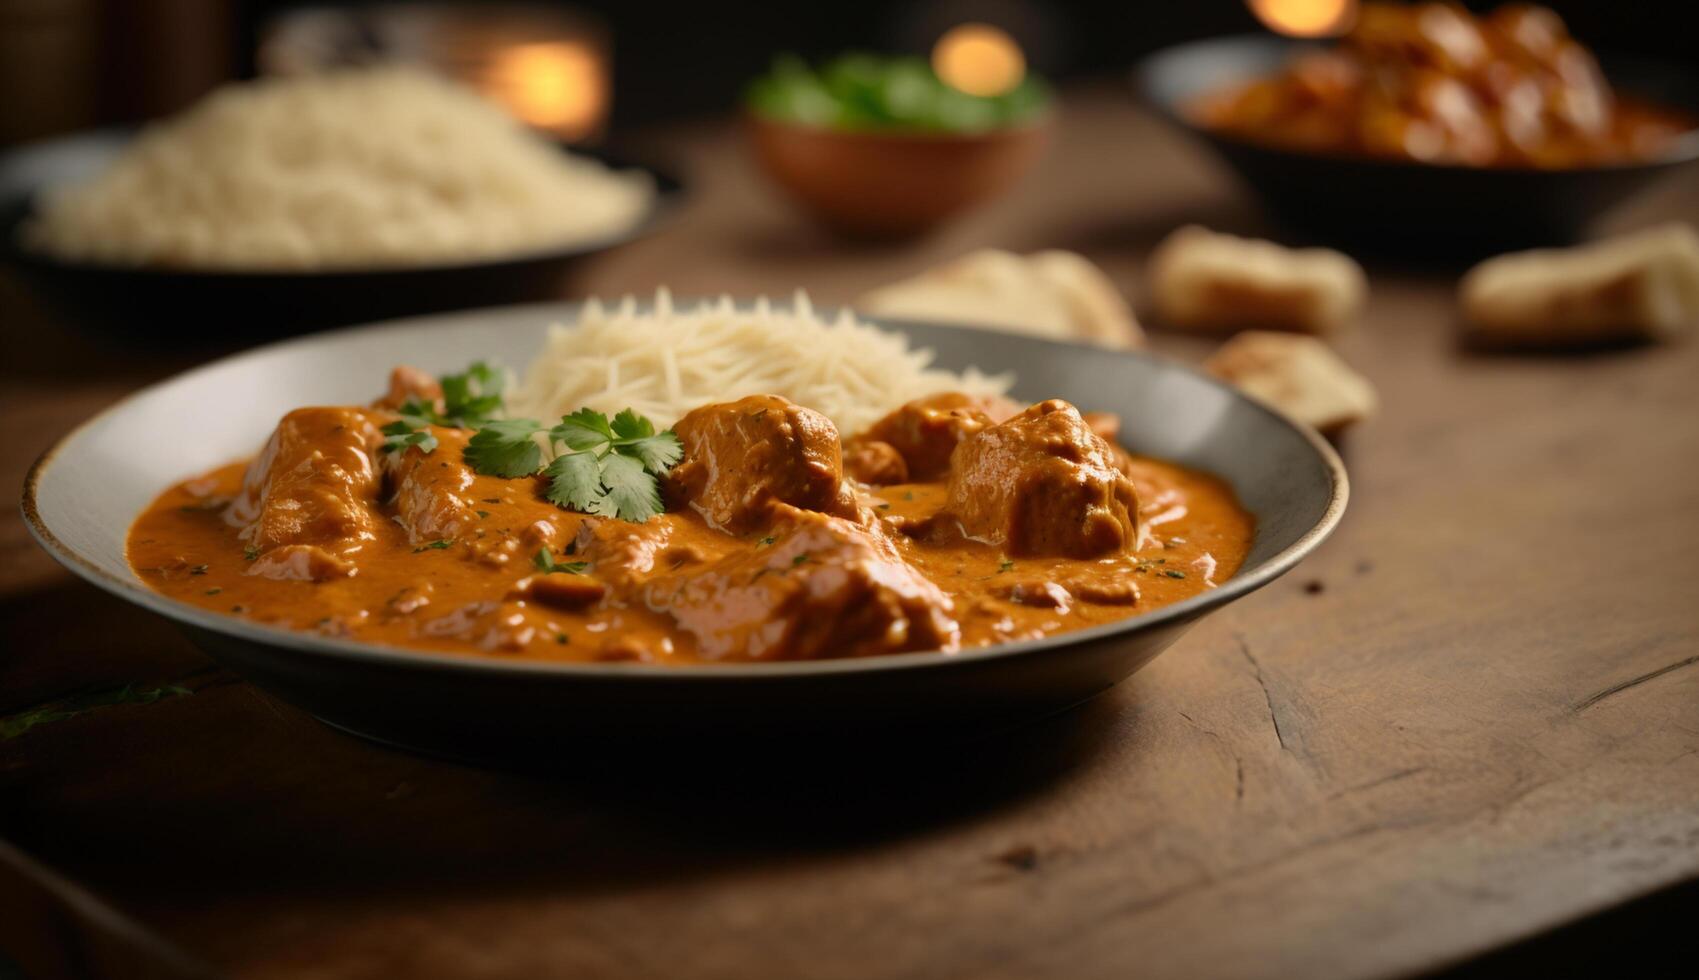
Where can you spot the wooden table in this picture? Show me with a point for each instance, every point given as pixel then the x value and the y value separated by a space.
pixel 1472 716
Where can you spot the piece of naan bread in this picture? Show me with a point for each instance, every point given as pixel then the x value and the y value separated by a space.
pixel 1205 281
pixel 1299 375
pixel 1637 287
pixel 1053 294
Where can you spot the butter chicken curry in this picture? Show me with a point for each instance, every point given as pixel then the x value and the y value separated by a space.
pixel 750 532
pixel 1433 83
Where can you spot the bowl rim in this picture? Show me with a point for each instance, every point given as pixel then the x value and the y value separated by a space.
pixel 19 206
pixel 1684 149
pixel 1039 123
pixel 387 656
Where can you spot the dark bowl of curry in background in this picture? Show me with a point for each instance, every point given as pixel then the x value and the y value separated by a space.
pixel 206 307
pixel 1450 207
pixel 882 149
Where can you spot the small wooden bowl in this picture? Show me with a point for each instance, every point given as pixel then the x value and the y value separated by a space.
pixel 893 184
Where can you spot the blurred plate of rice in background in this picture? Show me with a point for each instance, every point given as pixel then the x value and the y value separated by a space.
pixel 288 204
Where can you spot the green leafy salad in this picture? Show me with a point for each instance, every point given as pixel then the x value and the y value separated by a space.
pixel 864 92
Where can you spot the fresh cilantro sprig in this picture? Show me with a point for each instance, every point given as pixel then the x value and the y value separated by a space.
pixel 610 468
pixel 409 430
pixel 505 448
pixel 473 397
pixel 470 400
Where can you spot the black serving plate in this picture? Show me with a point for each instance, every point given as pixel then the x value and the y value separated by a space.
pixel 186 306
pixel 1413 208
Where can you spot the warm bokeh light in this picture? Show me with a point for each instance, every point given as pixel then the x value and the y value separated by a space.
pixel 1306 18
pixel 979 59
pixel 560 86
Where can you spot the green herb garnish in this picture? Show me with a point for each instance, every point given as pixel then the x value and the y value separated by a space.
pixel 434 545
pixel 470 400
pixel 769 539
pixel 1006 565
pixel 610 468
pixel 409 430
pixel 505 448
pixel 473 397
pixel 546 561
pixel 870 92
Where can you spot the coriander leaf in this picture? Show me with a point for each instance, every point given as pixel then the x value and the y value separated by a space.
pixel 409 430
pixel 657 453
pixel 546 561
pixel 473 396
pixel 505 448
pixel 629 425
pixel 631 489
pixel 575 481
pixel 611 469
pixel 604 506
pixel 583 429
pixel 418 413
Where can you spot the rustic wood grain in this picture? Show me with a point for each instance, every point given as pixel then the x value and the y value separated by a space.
pixel 1473 715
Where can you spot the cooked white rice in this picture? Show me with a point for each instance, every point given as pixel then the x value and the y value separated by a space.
pixel 666 361
pixel 371 167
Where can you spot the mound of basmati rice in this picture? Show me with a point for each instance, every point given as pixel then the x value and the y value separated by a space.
pixel 666 361
pixel 359 168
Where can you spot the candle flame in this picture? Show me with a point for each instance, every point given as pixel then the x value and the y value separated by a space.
pixel 979 59
pixel 1306 18
pixel 554 85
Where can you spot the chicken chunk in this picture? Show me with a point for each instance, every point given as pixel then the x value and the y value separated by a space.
pixel 824 586
pixel 623 554
pixel 314 484
pixel 301 563
pixel 922 434
pixel 410 384
pixel 1107 425
pixel 433 492
pixel 873 462
pixel 741 457
pixel 1042 483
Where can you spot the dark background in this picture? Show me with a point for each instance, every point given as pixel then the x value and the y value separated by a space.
pixel 69 64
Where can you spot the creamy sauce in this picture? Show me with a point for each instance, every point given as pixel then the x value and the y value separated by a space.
pixel 477 593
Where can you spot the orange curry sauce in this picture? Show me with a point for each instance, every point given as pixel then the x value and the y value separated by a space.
pixel 676 590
